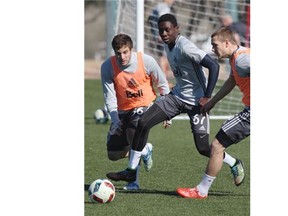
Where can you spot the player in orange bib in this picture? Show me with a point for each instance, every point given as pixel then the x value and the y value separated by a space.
pixel 127 80
pixel 235 129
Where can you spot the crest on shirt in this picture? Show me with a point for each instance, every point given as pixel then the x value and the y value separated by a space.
pixel 132 83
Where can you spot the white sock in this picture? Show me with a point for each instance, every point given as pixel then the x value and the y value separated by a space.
pixel 228 159
pixel 145 150
pixel 205 184
pixel 134 159
pixel 137 174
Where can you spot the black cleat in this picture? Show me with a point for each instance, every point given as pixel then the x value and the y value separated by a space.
pixel 125 175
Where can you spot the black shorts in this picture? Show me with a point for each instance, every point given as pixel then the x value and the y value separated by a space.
pixel 172 107
pixel 235 129
pixel 130 121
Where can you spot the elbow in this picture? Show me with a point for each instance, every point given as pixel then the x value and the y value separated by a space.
pixel 216 68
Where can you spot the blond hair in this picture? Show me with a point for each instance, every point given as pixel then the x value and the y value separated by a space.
pixel 225 33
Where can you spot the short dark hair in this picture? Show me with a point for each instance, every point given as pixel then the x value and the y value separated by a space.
pixel 121 40
pixel 168 17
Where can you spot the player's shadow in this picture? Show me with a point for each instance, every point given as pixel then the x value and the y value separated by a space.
pixel 226 193
pixel 148 191
pixel 173 193
pixel 142 191
pixel 90 120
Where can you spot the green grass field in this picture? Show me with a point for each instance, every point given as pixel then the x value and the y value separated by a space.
pixel 176 164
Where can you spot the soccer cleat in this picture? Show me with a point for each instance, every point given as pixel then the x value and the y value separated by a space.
pixel 147 159
pixel 192 193
pixel 238 172
pixel 131 186
pixel 125 175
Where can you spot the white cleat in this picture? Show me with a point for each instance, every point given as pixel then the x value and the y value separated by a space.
pixel 147 159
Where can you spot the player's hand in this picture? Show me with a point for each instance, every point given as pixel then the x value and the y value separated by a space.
pixel 203 101
pixel 206 108
pixel 167 123
pixel 116 128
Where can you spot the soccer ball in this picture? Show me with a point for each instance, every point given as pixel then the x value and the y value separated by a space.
pixel 101 116
pixel 101 191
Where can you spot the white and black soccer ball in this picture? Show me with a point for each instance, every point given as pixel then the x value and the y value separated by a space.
pixel 101 191
pixel 101 116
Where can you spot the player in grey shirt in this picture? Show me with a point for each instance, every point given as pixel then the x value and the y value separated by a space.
pixel 188 96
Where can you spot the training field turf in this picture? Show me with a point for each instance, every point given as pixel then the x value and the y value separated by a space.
pixel 176 164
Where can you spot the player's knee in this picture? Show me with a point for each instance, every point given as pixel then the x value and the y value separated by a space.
pixel 114 156
pixel 204 152
pixel 217 147
pixel 202 144
pixel 142 125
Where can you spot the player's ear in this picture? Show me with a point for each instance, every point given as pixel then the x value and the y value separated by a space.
pixel 177 28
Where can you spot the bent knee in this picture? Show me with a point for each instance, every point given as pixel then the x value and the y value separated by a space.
pixel 204 152
pixel 202 144
pixel 114 156
pixel 216 146
pixel 141 124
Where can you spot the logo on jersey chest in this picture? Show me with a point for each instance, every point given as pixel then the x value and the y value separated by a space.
pixel 130 94
pixel 132 83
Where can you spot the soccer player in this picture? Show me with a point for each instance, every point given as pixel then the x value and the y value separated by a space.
pixel 188 96
pixel 233 130
pixel 127 81
pixel 163 7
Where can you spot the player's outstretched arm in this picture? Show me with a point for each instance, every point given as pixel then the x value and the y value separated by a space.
pixel 225 89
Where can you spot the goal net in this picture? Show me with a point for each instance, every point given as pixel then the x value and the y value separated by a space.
pixel 197 19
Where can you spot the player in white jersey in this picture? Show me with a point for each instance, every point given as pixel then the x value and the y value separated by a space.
pixel 188 96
